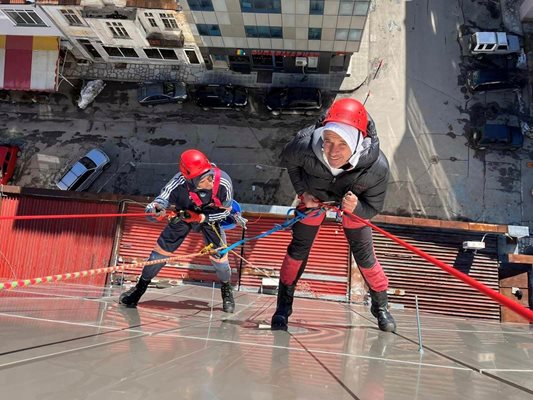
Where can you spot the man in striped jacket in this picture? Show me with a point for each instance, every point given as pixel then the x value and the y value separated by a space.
pixel 203 193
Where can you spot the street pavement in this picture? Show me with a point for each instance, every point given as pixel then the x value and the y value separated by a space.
pixel 144 143
pixel 411 74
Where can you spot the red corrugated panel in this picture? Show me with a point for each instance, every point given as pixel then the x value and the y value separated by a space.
pixel 17 64
pixel 32 249
pixel 438 292
pixel 326 274
pixel 139 237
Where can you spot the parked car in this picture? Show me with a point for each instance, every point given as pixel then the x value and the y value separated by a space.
pixel 85 171
pixel 494 43
pixel 161 92
pixel 8 159
pixel 481 80
pixel 293 100
pixel 221 96
pixel 498 137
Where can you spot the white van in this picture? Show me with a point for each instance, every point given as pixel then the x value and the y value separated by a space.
pixel 494 43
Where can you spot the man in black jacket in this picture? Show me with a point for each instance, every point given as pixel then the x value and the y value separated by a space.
pixel 339 161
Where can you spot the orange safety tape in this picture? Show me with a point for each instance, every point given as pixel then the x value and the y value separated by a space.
pixel 80 274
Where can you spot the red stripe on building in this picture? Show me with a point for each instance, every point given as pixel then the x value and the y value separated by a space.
pixel 17 67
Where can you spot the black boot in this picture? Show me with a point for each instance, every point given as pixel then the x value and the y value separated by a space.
pixel 132 296
pixel 379 310
pixel 280 319
pixel 228 303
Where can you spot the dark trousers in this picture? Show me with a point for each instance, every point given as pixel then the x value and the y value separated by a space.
pixel 173 236
pixel 359 237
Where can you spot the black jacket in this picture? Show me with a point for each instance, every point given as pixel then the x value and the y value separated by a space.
pixel 176 193
pixel 368 180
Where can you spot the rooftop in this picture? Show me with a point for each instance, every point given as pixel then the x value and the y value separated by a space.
pixel 74 341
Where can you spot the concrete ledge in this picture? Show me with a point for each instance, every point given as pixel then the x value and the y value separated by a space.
pixel 434 223
pixel 265 211
pixel 520 258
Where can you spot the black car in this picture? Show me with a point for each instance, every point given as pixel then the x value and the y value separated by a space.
pixel 161 92
pixel 481 80
pixel 221 96
pixel 497 137
pixel 294 100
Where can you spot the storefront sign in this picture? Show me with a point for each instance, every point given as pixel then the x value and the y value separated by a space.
pixel 284 53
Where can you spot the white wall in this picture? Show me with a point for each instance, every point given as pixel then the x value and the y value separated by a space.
pixel 54 12
pixel 8 27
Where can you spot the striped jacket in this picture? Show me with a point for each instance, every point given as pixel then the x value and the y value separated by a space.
pixel 176 193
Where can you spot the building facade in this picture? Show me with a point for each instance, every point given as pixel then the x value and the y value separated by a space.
pixel 29 49
pixel 291 36
pixel 121 32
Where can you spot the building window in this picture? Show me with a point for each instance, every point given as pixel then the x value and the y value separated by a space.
pixel 262 61
pixel 24 17
pixel 168 21
pixel 261 6
pixel 239 59
pixel 118 30
pixel 201 5
pixel 346 7
pixel 127 52
pixel 315 34
pixel 361 8
pixel 191 55
pixel 351 7
pixel 151 19
pixel 161 54
pixel 341 34
pixel 348 34
pixel 72 18
pixel 90 48
pixel 263 31
pixel 355 34
pixel 316 7
pixel 208 30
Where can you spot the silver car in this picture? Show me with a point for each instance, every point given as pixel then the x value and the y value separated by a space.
pixel 85 171
pixel 162 92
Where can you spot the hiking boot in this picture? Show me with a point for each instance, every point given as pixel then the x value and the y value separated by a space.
pixel 280 319
pixel 379 310
pixel 228 303
pixel 132 296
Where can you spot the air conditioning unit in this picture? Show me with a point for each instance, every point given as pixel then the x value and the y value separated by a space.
pixel 473 245
pixel 301 61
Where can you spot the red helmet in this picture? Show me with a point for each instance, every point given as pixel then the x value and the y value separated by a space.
pixel 194 163
pixel 350 112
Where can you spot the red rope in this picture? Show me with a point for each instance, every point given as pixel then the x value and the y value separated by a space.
pixel 67 216
pixel 494 295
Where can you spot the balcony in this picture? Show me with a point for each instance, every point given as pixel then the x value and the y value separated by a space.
pixel 173 40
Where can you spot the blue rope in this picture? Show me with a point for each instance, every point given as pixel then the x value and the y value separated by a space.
pixel 287 224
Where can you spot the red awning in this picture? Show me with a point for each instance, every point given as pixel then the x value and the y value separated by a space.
pixel 29 62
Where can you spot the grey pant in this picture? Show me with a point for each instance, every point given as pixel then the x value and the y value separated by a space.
pixel 173 236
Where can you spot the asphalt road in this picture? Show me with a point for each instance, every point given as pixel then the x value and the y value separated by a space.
pixel 144 143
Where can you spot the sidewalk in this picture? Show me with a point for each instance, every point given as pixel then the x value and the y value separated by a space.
pixel 511 16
